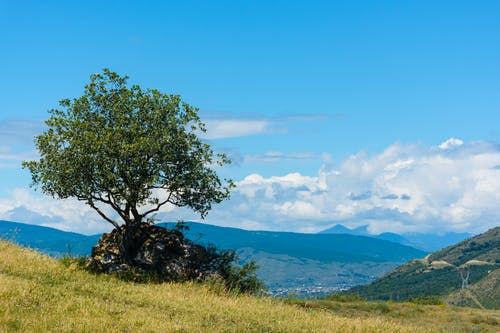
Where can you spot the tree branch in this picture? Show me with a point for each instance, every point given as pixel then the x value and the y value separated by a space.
pixel 158 206
pixel 112 203
pixel 116 225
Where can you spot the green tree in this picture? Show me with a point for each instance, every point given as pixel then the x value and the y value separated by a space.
pixel 131 149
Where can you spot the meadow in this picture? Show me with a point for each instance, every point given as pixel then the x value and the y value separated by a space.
pixel 42 294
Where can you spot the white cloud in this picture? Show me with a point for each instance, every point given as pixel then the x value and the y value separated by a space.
pixel 450 143
pixel 69 214
pixel 232 128
pixel 404 188
pixel 276 156
pixel 25 206
pixel 221 127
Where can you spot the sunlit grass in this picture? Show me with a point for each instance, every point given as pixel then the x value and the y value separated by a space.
pixel 40 294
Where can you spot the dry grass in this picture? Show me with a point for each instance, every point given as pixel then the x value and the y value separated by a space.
pixel 40 294
pixel 439 318
pixel 440 264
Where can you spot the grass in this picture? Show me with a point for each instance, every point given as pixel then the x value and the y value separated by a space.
pixel 41 294
pixel 439 318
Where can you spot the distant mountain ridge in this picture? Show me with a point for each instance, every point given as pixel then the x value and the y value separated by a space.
pixel 423 241
pixel 48 240
pixel 321 247
pixel 303 264
pixel 473 264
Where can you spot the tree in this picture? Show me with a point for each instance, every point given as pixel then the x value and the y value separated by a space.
pixel 131 149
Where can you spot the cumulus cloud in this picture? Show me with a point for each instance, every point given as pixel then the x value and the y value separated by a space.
pixel 406 187
pixel 69 215
pixel 452 186
pixel 450 143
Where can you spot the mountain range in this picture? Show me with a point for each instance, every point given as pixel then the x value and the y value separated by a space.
pixel 48 240
pixel 290 263
pixel 428 242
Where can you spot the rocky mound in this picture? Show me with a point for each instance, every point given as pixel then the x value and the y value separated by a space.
pixel 153 252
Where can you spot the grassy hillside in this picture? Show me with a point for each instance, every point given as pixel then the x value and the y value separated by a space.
pixel 484 293
pixel 41 294
pixel 439 273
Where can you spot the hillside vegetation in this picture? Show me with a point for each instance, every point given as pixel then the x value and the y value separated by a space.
pixel 41 294
pixel 483 247
pixel 483 294
pixel 441 272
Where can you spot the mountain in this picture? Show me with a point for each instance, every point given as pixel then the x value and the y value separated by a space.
pixel 48 240
pixel 435 242
pixel 473 263
pixel 424 241
pixel 307 264
pixel 321 247
pixel 338 229
pixel 302 264
pixel 341 229
pixel 390 236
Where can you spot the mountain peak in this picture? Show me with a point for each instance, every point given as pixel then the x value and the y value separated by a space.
pixel 337 229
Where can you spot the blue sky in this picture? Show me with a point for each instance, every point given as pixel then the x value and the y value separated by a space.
pixel 315 101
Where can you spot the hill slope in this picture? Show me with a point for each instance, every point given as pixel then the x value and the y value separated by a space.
pixel 441 273
pixel 483 247
pixel 483 294
pixel 40 294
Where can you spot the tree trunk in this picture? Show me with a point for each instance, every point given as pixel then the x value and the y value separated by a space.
pixel 129 243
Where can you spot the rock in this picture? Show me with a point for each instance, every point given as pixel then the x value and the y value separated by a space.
pixel 154 252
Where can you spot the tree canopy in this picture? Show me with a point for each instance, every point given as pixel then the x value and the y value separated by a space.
pixel 132 149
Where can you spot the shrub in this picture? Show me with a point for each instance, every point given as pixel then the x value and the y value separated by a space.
pixel 236 278
pixel 426 300
pixel 344 298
